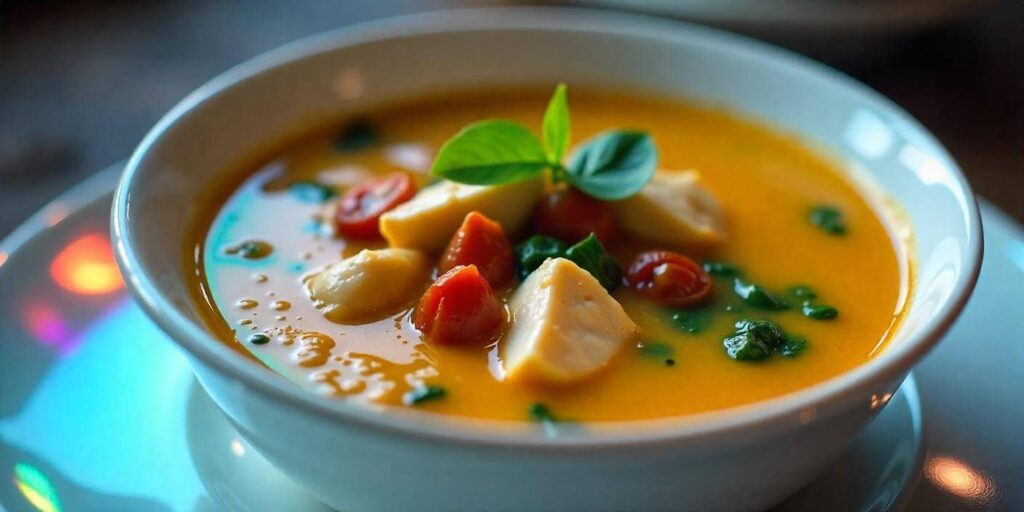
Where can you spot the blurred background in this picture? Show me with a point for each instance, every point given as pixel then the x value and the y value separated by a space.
pixel 82 81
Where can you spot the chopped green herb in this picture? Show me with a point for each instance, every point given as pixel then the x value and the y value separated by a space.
pixel 792 347
pixel 259 339
pixel 692 321
pixel 721 269
pixel 754 340
pixel 756 296
pixel 803 292
pixel 670 362
pixel 532 253
pixel 356 136
pixel 829 219
pixel 654 349
pixel 541 413
pixel 311 191
pixel 590 255
pixel 611 166
pixel 423 393
pixel 820 311
pixel 251 249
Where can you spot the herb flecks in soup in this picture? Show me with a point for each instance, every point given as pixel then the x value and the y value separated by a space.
pixel 638 258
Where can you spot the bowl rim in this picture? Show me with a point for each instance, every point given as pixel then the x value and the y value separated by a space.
pixel 807 405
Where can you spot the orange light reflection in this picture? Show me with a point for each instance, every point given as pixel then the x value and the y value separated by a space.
pixel 86 266
pixel 960 479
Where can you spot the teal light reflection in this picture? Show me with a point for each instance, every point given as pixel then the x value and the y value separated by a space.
pixel 110 412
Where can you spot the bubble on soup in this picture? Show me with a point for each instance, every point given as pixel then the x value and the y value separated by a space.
pixel 314 349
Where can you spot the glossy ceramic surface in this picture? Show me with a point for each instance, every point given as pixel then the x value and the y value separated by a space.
pixel 742 458
pixel 74 437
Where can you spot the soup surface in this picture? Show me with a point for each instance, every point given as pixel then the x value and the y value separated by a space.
pixel 767 185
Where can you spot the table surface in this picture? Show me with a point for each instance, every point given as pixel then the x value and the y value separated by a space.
pixel 82 81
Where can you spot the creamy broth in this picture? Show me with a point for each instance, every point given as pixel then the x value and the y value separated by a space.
pixel 765 182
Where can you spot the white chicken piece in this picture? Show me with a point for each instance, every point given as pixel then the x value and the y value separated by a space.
pixel 565 326
pixel 368 285
pixel 427 221
pixel 675 209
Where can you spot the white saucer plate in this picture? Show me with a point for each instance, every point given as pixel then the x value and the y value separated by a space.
pixel 99 412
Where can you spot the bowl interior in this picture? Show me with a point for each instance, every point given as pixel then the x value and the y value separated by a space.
pixel 261 102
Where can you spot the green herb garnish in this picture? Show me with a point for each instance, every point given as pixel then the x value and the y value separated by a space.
pixel 755 295
pixel 612 166
pixel 692 321
pixel 792 347
pixel 721 269
pixel 251 249
pixel 311 191
pixel 423 393
pixel 557 126
pixel 541 413
pixel 590 255
pixel 534 251
pixel 259 339
pixel 356 136
pixel 754 340
pixel 654 349
pixel 819 311
pixel 802 291
pixel 829 219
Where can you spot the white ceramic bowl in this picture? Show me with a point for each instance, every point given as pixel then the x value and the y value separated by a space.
pixel 359 459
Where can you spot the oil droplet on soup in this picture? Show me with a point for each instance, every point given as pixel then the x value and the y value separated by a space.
pixel 767 184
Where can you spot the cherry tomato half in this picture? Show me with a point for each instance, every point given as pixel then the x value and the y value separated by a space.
pixel 570 216
pixel 458 308
pixel 481 241
pixel 357 213
pixel 669 278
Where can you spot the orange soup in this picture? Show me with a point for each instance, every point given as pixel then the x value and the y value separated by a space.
pixel 747 268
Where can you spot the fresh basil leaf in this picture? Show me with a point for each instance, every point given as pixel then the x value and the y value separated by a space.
pixel 557 125
pixel 590 255
pixel 491 153
pixel 614 165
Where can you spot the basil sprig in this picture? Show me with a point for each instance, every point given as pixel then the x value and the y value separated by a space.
pixel 611 166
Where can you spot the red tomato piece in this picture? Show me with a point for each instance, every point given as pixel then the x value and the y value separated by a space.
pixel 458 308
pixel 669 278
pixel 570 216
pixel 481 242
pixel 357 213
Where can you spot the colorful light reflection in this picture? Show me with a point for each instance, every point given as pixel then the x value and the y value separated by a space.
pixel 36 488
pixel 47 326
pixel 86 266
pixel 960 479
